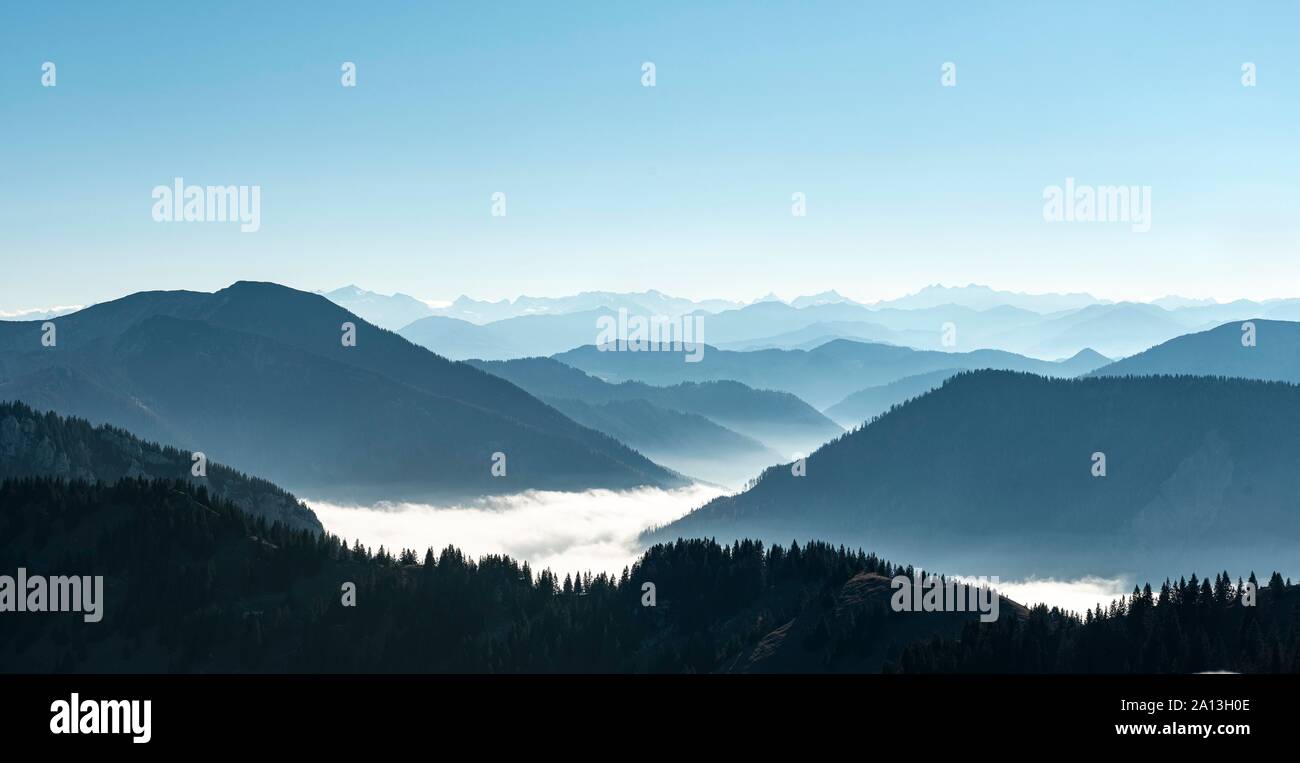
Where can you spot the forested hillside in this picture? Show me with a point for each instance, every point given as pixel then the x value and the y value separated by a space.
pixel 1185 627
pixel 34 444
pixel 1049 477
pixel 193 584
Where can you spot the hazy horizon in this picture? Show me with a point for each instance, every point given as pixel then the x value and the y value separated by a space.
pixel 17 311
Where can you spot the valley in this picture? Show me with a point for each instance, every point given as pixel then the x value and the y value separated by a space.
pixel 976 461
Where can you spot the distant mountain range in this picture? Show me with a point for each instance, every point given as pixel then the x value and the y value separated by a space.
pixel 37 314
pixel 997 468
pixel 873 401
pixel 36 444
pixel 721 431
pixel 648 302
pixel 385 311
pixel 824 298
pixel 822 376
pixel 400 309
pixel 508 338
pixel 1114 330
pixel 816 334
pixel 256 376
pixel 1048 326
pixel 979 297
pixel 686 442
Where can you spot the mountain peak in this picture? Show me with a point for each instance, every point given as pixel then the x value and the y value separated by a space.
pixel 981 297
pixel 1087 355
pixel 830 297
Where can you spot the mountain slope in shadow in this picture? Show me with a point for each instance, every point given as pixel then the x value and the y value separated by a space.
pixel 780 420
pixel 1222 351
pixel 997 468
pixel 866 403
pixel 256 375
pixel 822 376
pixel 685 442
pixel 48 445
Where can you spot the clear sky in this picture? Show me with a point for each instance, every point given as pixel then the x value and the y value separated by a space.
pixel 684 187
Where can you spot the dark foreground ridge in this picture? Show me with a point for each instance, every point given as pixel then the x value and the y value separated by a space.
pixel 194 584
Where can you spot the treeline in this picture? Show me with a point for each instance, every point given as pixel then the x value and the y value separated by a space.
pixel 194 584
pixel 1188 627
pixel 45 444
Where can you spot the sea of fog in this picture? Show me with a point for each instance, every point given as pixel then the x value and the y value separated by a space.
pixel 596 530
pixel 568 532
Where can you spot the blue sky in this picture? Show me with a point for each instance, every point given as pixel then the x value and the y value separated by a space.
pixel 684 187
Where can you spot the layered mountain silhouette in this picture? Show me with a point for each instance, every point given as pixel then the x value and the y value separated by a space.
pixel 978 297
pixel 385 311
pixel 36 444
pixel 764 324
pixel 948 463
pixel 779 419
pixel 997 468
pixel 1039 325
pixel 1046 326
pixel 648 302
pixel 518 337
pixel 873 401
pixel 720 431
pixel 1264 349
pixel 774 324
pixel 256 376
pixel 816 334
pixel 1114 330
pixel 822 376
pixel 685 442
